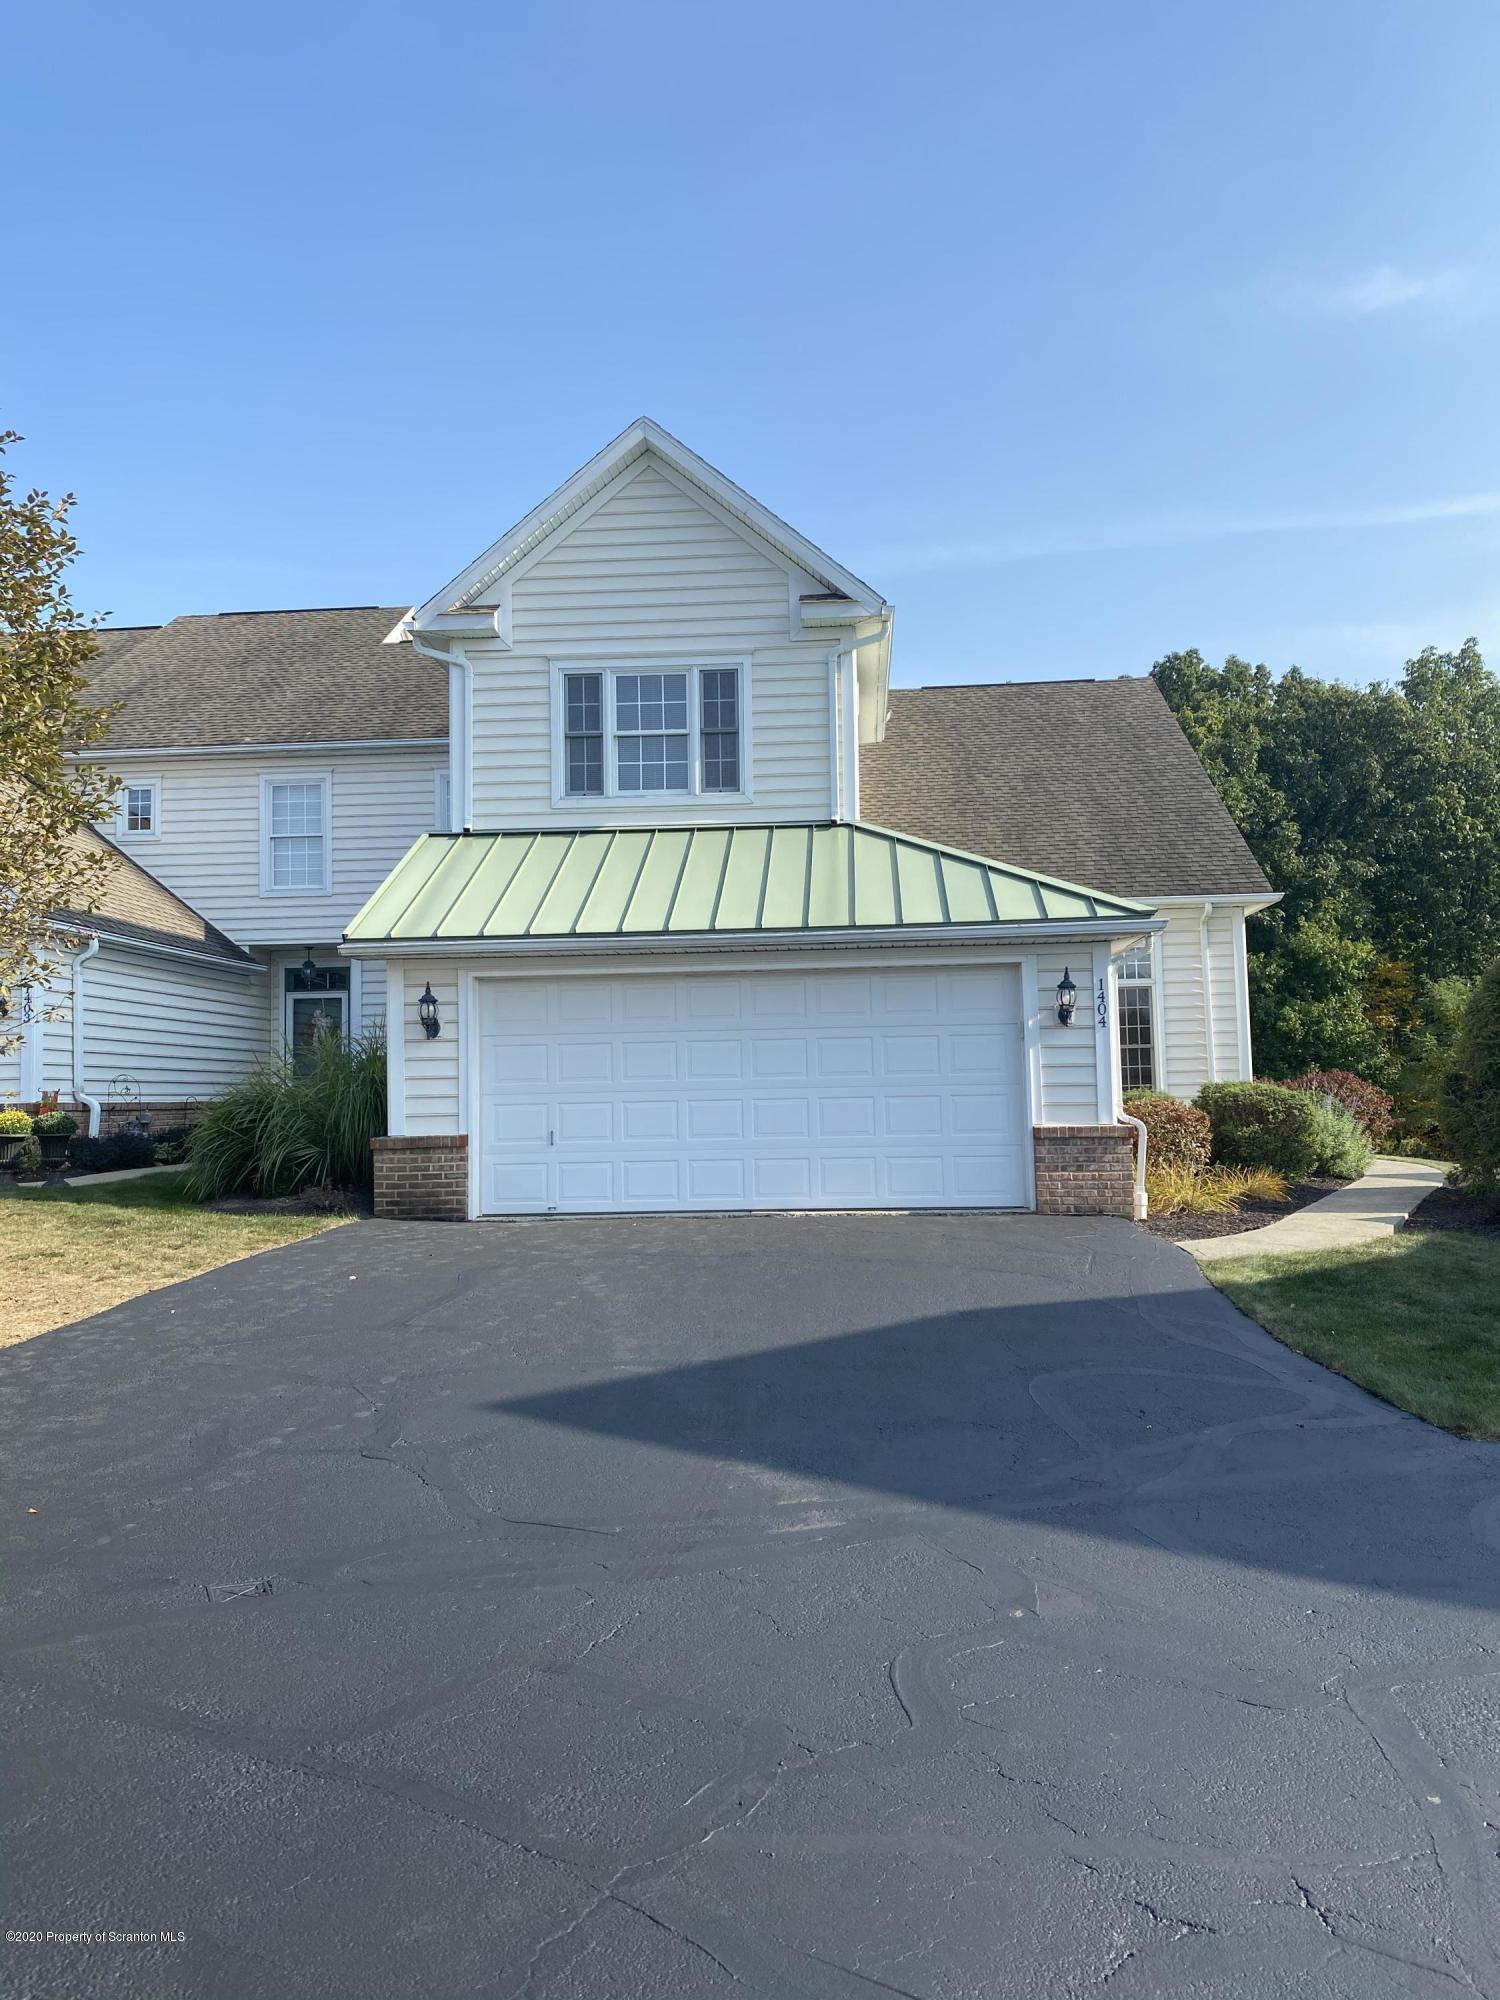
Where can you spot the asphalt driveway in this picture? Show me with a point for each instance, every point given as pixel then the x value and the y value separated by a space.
pixel 935 1606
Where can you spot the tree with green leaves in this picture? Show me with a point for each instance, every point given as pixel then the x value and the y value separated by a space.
pixel 1376 811
pixel 1470 1111
pixel 46 802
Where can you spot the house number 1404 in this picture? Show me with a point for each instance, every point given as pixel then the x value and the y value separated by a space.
pixel 1101 1005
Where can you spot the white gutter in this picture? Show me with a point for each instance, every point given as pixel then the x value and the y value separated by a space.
pixel 90 1103
pixel 194 957
pixel 106 753
pixel 621 944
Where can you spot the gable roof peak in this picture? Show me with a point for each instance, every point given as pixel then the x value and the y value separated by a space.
pixel 645 434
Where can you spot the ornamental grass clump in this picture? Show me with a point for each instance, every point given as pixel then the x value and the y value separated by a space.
pixel 294 1123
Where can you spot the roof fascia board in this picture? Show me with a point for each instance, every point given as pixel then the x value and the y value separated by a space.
pixel 638 438
pixel 616 944
pixel 1248 900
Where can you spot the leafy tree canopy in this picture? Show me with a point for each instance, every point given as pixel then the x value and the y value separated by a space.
pixel 46 803
pixel 1376 810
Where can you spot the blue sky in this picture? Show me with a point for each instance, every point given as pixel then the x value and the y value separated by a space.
pixel 1083 332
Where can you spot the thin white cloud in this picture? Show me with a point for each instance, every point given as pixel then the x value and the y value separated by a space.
pixel 1379 288
pixel 1174 531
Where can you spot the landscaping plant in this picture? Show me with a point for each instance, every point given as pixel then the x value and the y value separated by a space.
pixel 1177 1134
pixel 1177 1190
pixel 1470 1110
pixel 1372 1107
pixel 287 1126
pixel 1263 1125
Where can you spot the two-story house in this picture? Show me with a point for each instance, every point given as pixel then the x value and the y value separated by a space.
pixel 664 898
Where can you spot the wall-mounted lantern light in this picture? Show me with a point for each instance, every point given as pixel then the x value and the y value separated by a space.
pixel 307 971
pixel 1067 997
pixel 427 1013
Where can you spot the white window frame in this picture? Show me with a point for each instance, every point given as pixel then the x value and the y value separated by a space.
pixel 267 780
pixel 1150 951
pixel 442 800
pixel 350 995
pixel 123 829
pixel 694 666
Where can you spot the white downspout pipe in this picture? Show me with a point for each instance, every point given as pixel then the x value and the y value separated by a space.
pixel 90 1104
pixel 460 806
pixel 847 697
pixel 1141 1200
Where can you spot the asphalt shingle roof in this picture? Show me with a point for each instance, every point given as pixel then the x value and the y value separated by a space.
pixel 135 905
pixel 1090 780
pixel 268 677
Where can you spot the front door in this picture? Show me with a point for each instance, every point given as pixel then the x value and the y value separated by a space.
pixel 316 1004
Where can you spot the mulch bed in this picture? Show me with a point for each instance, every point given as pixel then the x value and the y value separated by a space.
pixel 1249 1216
pixel 1451 1208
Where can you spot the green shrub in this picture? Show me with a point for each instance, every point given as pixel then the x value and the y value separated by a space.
pixel 286 1126
pixel 1343 1149
pixel 1263 1125
pixel 1177 1134
pixel 1369 1105
pixel 13 1120
pixel 1470 1108
pixel 54 1125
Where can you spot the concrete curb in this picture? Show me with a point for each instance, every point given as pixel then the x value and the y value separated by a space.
pixel 1367 1210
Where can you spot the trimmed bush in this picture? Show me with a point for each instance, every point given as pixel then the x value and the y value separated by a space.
pixel 1372 1108
pixel 1177 1134
pixel 54 1125
pixel 1343 1149
pixel 1263 1125
pixel 108 1156
pixel 284 1127
pixel 1469 1113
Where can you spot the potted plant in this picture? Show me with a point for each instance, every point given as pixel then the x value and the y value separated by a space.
pixel 15 1130
pixel 53 1130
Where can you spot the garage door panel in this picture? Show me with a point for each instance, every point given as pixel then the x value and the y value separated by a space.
pixel 838 1089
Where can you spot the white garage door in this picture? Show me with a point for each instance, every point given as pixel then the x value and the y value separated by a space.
pixel 901 1089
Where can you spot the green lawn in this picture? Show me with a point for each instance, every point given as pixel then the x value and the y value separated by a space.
pixel 68 1252
pixel 1415 1320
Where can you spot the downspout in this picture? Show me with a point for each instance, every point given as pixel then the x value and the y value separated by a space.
pixel 458 738
pixel 91 1104
pixel 1205 952
pixel 1141 1202
pixel 847 780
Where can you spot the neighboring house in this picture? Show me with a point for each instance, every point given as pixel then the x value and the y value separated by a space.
pixel 704 915
pixel 146 1002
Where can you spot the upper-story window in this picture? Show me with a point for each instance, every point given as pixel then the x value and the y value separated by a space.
pixel 1136 1001
pixel 295 841
pixel 140 808
pixel 651 732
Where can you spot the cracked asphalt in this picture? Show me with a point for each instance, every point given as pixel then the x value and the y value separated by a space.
pixel 938 1606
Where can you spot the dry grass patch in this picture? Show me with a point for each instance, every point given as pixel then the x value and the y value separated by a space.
pixel 66 1253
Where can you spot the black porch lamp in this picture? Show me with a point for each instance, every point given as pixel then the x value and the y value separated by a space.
pixel 307 971
pixel 427 1013
pixel 1067 997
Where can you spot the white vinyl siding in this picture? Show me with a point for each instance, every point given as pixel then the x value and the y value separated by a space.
pixel 209 851
pixel 1070 1086
pixel 651 577
pixel 432 1091
pixel 1183 1032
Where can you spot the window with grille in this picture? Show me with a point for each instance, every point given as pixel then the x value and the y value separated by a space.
pixel 140 807
pixel 294 822
pixel 651 732
pixel 1136 998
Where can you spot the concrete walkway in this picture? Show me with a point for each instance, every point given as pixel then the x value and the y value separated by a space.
pixel 1372 1207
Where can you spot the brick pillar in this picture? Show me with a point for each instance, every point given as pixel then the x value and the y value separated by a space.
pixel 422 1178
pixel 1084 1169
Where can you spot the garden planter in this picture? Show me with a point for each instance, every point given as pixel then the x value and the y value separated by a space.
pixel 10 1154
pixel 54 1150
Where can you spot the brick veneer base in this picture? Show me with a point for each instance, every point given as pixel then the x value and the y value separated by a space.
pixel 1084 1169
pixel 422 1179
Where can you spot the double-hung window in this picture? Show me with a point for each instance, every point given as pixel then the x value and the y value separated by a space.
pixel 140 808
pixel 1137 995
pixel 294 836
pixel 644 732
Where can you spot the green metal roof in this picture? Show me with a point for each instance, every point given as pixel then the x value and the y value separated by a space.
pixel 662 881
